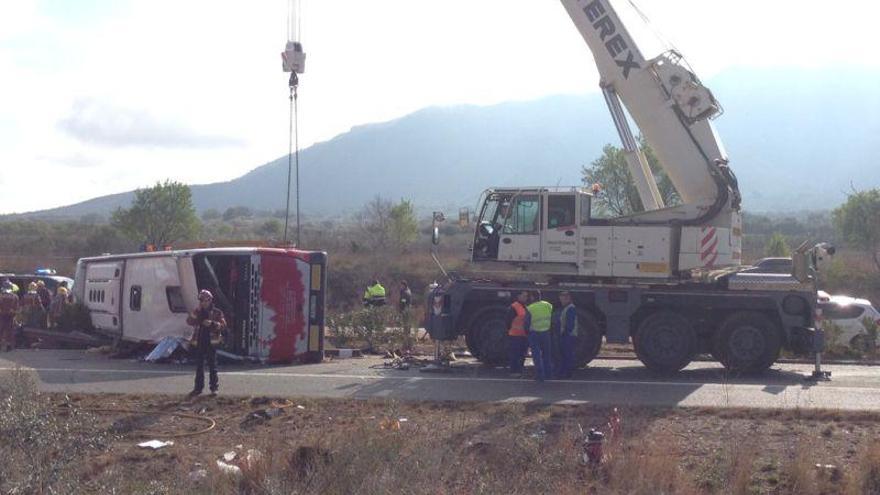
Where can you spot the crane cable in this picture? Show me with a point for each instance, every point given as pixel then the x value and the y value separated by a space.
pixel 293 155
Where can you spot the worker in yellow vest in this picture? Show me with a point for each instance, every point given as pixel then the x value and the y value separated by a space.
pixel 517 338
pixel 538 320
pixel 374 295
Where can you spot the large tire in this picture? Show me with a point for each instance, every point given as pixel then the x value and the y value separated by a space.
pixel 473 344
pixel 489 330
pixel 665 342
pixel 589 340
pixel 748 342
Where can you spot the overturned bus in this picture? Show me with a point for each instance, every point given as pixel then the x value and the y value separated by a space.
pixel 273 299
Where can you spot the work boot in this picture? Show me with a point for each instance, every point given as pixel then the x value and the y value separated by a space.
pixel 213 393
pixel 194 393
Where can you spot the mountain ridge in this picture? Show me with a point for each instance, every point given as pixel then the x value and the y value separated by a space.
pixel 791 134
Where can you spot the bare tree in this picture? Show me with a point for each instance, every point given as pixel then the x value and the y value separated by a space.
pixel 375 222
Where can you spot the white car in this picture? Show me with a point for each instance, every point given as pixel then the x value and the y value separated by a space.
pixel 849 313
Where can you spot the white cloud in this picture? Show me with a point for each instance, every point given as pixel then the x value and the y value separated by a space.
pixel 96 122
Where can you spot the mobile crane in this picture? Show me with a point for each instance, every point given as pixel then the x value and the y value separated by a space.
pixel 665 278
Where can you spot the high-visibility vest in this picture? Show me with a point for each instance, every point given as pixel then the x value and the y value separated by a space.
pixel 375 292
pixel 563 316
pixel 541 312
pixel 518 325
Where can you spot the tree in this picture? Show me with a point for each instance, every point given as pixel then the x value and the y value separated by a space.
pixel 210 214
pixel 270 228
pixel 237 212
pixel 386 225
pixel 404 226
pixel 777 247
pixel 858 221
pixel 160 215
pixel 619 195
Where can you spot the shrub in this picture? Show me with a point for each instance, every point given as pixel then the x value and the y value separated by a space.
pixel 41 447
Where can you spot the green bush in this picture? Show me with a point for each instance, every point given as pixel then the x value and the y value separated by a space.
pixel 369 328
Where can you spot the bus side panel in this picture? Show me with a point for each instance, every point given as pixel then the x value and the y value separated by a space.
pixel 284 297
pixel 148 313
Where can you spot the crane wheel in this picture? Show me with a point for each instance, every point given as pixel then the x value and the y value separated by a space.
pixel 589 340
pixel 665 342
pixel 490 336
pixel 748 342
pixel 472 342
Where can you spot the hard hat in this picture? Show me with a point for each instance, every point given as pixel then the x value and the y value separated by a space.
pixel 32 287
pixel 205 294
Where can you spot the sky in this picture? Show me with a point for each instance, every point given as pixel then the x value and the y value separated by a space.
pixel 104 96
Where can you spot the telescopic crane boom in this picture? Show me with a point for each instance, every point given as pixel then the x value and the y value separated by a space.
pixel 669 104
pixel 555 231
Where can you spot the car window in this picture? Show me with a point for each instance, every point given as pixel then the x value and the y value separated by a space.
pixel 841 312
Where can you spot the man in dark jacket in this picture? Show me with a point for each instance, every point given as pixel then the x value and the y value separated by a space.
pixel 8 310
pixel 208 325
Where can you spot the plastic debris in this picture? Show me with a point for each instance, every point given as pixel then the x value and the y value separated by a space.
pixel 228 469
pixel 402 420
pixel 301 407
pixel 166 348
pixel 154 444
pixel 229 456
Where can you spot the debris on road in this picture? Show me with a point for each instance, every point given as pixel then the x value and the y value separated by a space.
pixel 166 348
pixel 226 357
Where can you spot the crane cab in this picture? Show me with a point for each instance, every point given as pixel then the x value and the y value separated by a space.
pixel 532 225
pixel 552 231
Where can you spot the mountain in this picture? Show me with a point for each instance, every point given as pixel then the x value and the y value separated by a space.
pixel 797 138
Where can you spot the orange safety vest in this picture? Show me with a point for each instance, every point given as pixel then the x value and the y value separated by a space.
pixel 518 326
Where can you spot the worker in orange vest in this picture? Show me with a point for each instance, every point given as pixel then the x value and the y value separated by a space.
pixel 518 341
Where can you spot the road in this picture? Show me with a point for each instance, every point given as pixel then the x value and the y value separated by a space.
pixel 607 381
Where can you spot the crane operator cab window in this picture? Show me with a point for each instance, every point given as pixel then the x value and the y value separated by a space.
pixel 523 215
pixel 506 217
pixel 561 211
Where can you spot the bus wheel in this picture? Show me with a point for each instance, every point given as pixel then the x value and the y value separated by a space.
pixel 748 342
pixel 490 334
pixel 665 342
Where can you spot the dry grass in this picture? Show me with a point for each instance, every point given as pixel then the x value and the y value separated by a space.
pixel 347 447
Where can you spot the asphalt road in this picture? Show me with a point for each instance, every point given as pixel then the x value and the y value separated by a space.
pixel 612 382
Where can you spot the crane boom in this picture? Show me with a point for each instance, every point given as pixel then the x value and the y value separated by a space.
pixel 670 106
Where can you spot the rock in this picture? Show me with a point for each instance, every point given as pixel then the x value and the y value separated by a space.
pixel 198 475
